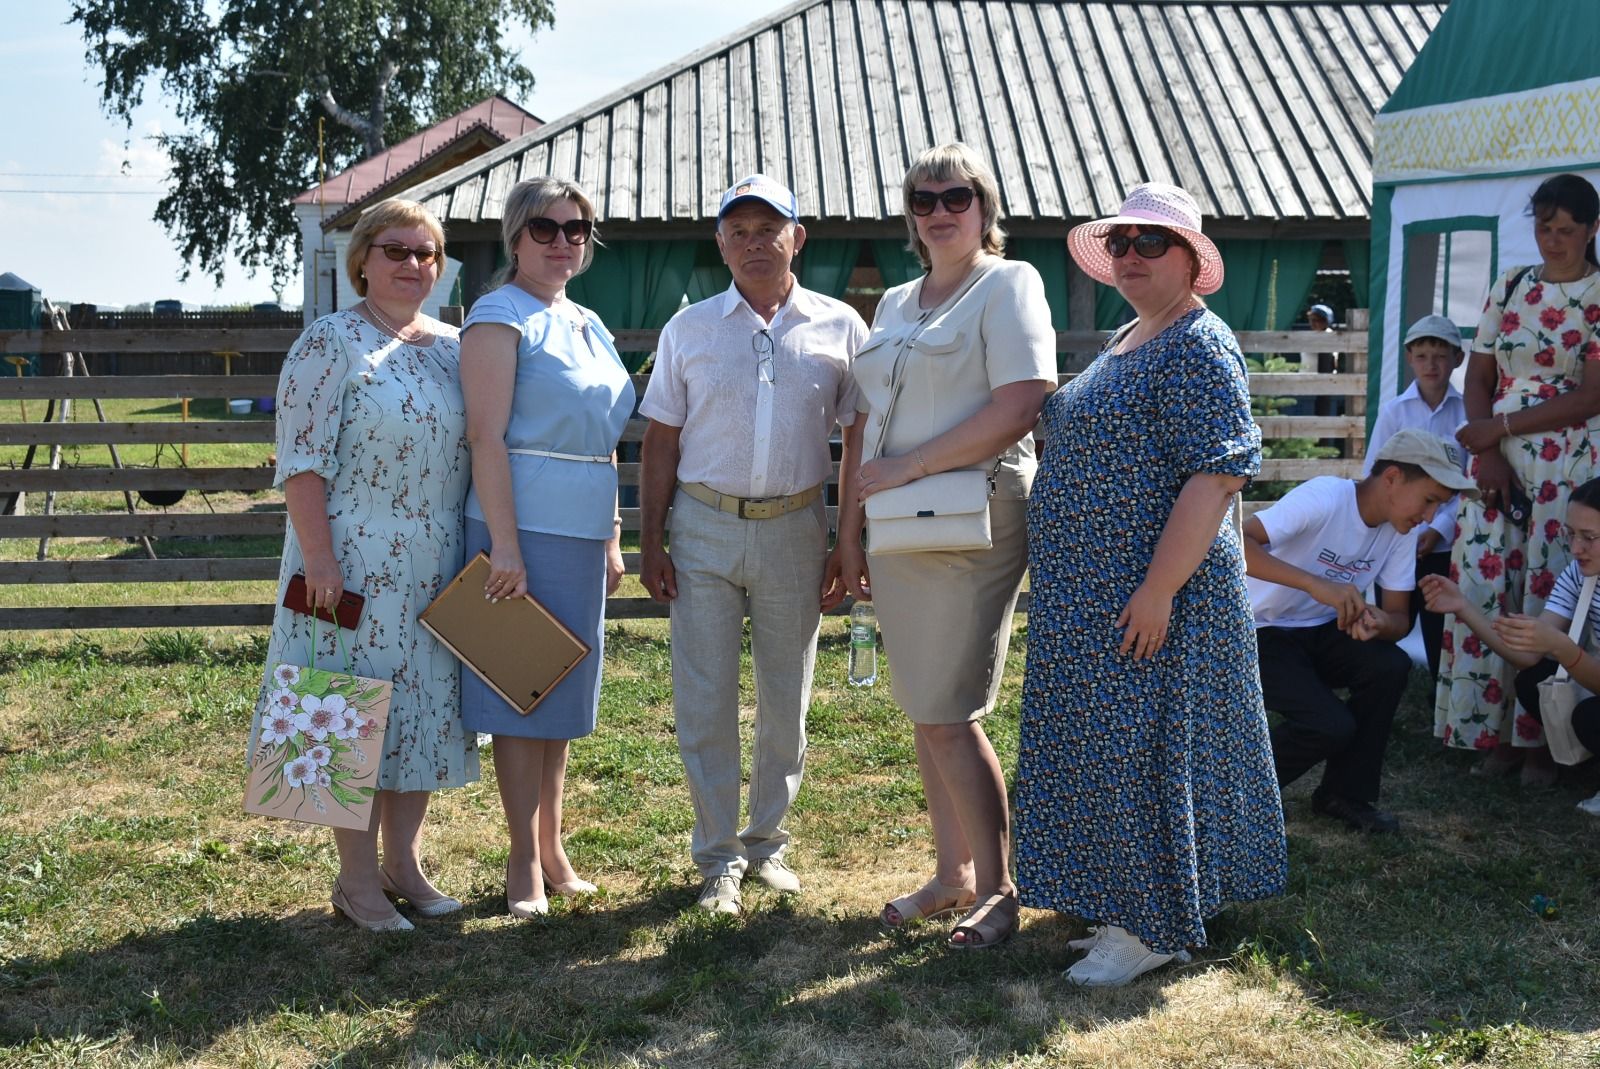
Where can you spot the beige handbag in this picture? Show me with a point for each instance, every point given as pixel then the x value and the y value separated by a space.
pixel 1559 695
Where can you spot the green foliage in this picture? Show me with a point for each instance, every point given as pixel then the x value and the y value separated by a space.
pixel 249 80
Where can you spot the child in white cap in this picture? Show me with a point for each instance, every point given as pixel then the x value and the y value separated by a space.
pixel 1310 558
pixel 1433 404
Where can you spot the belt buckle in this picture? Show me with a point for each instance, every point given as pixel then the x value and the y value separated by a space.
pixel 759 508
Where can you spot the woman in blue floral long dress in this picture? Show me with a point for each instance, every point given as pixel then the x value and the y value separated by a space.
pixel 372 457
pixel 1146 798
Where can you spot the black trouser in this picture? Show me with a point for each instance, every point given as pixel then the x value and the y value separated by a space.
pixel 1300 667
pixel 1585 716
pixel 1432 622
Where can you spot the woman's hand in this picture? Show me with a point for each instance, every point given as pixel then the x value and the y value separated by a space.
pixel 1481 435
pixel 1495 479
pixel 885 473
pixel 1533 634
pixel 1428 541
pixel 615 568
pixel 1441 595
pixel 324 582
pixel 1145 619
pixel 507 576
pixel 850 562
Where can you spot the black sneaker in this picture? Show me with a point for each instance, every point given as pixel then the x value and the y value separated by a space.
pixel 1360 816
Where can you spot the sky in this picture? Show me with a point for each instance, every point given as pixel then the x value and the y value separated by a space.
pixel 77 223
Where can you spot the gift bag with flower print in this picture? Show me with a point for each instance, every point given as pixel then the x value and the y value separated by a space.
pixel 315 756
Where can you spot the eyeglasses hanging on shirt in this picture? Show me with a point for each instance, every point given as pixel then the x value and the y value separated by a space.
pixel 766 367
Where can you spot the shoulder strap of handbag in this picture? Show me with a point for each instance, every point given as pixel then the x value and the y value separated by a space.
pixel 899 368
pixel 1511 285
pixel 1580 618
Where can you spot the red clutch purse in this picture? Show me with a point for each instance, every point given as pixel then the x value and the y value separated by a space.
pixel 346 614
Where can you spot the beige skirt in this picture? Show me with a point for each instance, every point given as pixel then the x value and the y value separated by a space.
pixel 946 620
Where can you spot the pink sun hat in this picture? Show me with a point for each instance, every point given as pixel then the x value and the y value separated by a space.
pixel 1152 204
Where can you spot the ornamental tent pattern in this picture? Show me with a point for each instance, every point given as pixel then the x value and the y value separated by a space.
pixel 1486 112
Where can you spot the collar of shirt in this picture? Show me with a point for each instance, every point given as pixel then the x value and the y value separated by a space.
pixel 801 301
pixel 1411 393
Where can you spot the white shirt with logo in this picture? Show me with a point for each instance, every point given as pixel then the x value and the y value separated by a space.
pixel 1317 528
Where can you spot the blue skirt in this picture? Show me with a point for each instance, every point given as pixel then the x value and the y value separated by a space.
pixel 568 576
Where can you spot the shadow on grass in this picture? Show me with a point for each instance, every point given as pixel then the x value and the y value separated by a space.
pixel 594 981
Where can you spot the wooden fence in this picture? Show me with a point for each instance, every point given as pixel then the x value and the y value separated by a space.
pixel 48 476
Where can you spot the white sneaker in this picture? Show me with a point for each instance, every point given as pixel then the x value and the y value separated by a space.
pixel 720 894
pixel 1116 957
pixel 1591 806
pixel 1090 941
pixel 776 875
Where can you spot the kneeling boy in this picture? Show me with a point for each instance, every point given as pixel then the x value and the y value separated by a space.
pixel 1311 557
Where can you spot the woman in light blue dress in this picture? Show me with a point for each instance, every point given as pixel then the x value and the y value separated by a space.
pixel 547 398
pixel 372 458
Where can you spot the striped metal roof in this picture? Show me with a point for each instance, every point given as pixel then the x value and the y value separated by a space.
pixel 1263 109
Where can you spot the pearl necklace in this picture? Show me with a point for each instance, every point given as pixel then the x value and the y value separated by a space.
pixel 386 325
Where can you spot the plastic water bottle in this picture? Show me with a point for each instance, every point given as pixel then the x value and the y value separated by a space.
pixel 863 645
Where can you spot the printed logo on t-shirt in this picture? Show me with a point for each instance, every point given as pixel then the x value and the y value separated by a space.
pixel 1343 571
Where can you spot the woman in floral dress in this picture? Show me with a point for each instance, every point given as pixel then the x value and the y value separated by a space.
pixel 372 457
pixel 1529 402
pixel 1146 796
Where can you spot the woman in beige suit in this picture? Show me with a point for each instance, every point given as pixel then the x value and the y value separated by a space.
pixel 972 341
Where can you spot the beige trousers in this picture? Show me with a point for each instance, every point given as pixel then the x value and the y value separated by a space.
pixel 727 567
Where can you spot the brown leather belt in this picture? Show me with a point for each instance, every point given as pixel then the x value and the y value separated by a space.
pixel 751 508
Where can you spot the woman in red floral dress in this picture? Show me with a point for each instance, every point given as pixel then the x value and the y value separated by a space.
pixel 1529 405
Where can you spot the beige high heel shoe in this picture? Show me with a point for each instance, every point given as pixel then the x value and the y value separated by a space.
pixel 435 906
pixel 527 908
pixel 576 886
pixel 392 923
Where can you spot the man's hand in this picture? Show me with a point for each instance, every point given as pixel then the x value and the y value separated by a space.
pixel 1342 598
pixel 656 572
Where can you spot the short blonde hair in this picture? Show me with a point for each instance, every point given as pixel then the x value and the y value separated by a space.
pixel 955 162
pixel 530 199
pixel 380 217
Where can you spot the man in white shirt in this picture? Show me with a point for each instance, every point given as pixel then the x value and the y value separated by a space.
pixel 1310 559
pixel 1433 404
pixel 745 392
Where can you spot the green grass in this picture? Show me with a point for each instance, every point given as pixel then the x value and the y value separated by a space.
pixel 146 921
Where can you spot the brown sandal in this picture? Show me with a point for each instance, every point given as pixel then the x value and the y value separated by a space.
pixel 987 926
pixel 945 900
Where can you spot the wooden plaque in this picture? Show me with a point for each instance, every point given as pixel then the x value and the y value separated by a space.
pixel 515 645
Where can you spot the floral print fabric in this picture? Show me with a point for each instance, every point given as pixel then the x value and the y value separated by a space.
pixel 383 423
pixel 1541 336
pixel 1146 796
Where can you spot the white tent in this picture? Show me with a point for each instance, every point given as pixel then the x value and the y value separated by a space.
pixel 1502 96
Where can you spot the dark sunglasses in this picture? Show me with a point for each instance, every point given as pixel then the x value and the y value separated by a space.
pixel 956 200
pixel 398 252
pixel 544 230
pixel 1150 245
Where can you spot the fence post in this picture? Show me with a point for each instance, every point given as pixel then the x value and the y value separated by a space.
pixel 1356 403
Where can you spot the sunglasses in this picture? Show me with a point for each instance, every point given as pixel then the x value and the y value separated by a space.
pixel 544 230
pixel 1151 245
pixel 398 253
pixel 955 201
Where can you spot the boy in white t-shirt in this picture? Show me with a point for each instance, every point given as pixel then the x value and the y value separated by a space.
pixel 1431 403
pixel 1311 558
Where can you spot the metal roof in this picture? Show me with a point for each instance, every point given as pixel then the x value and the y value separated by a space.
pixel 499 117
pixel 1262 109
